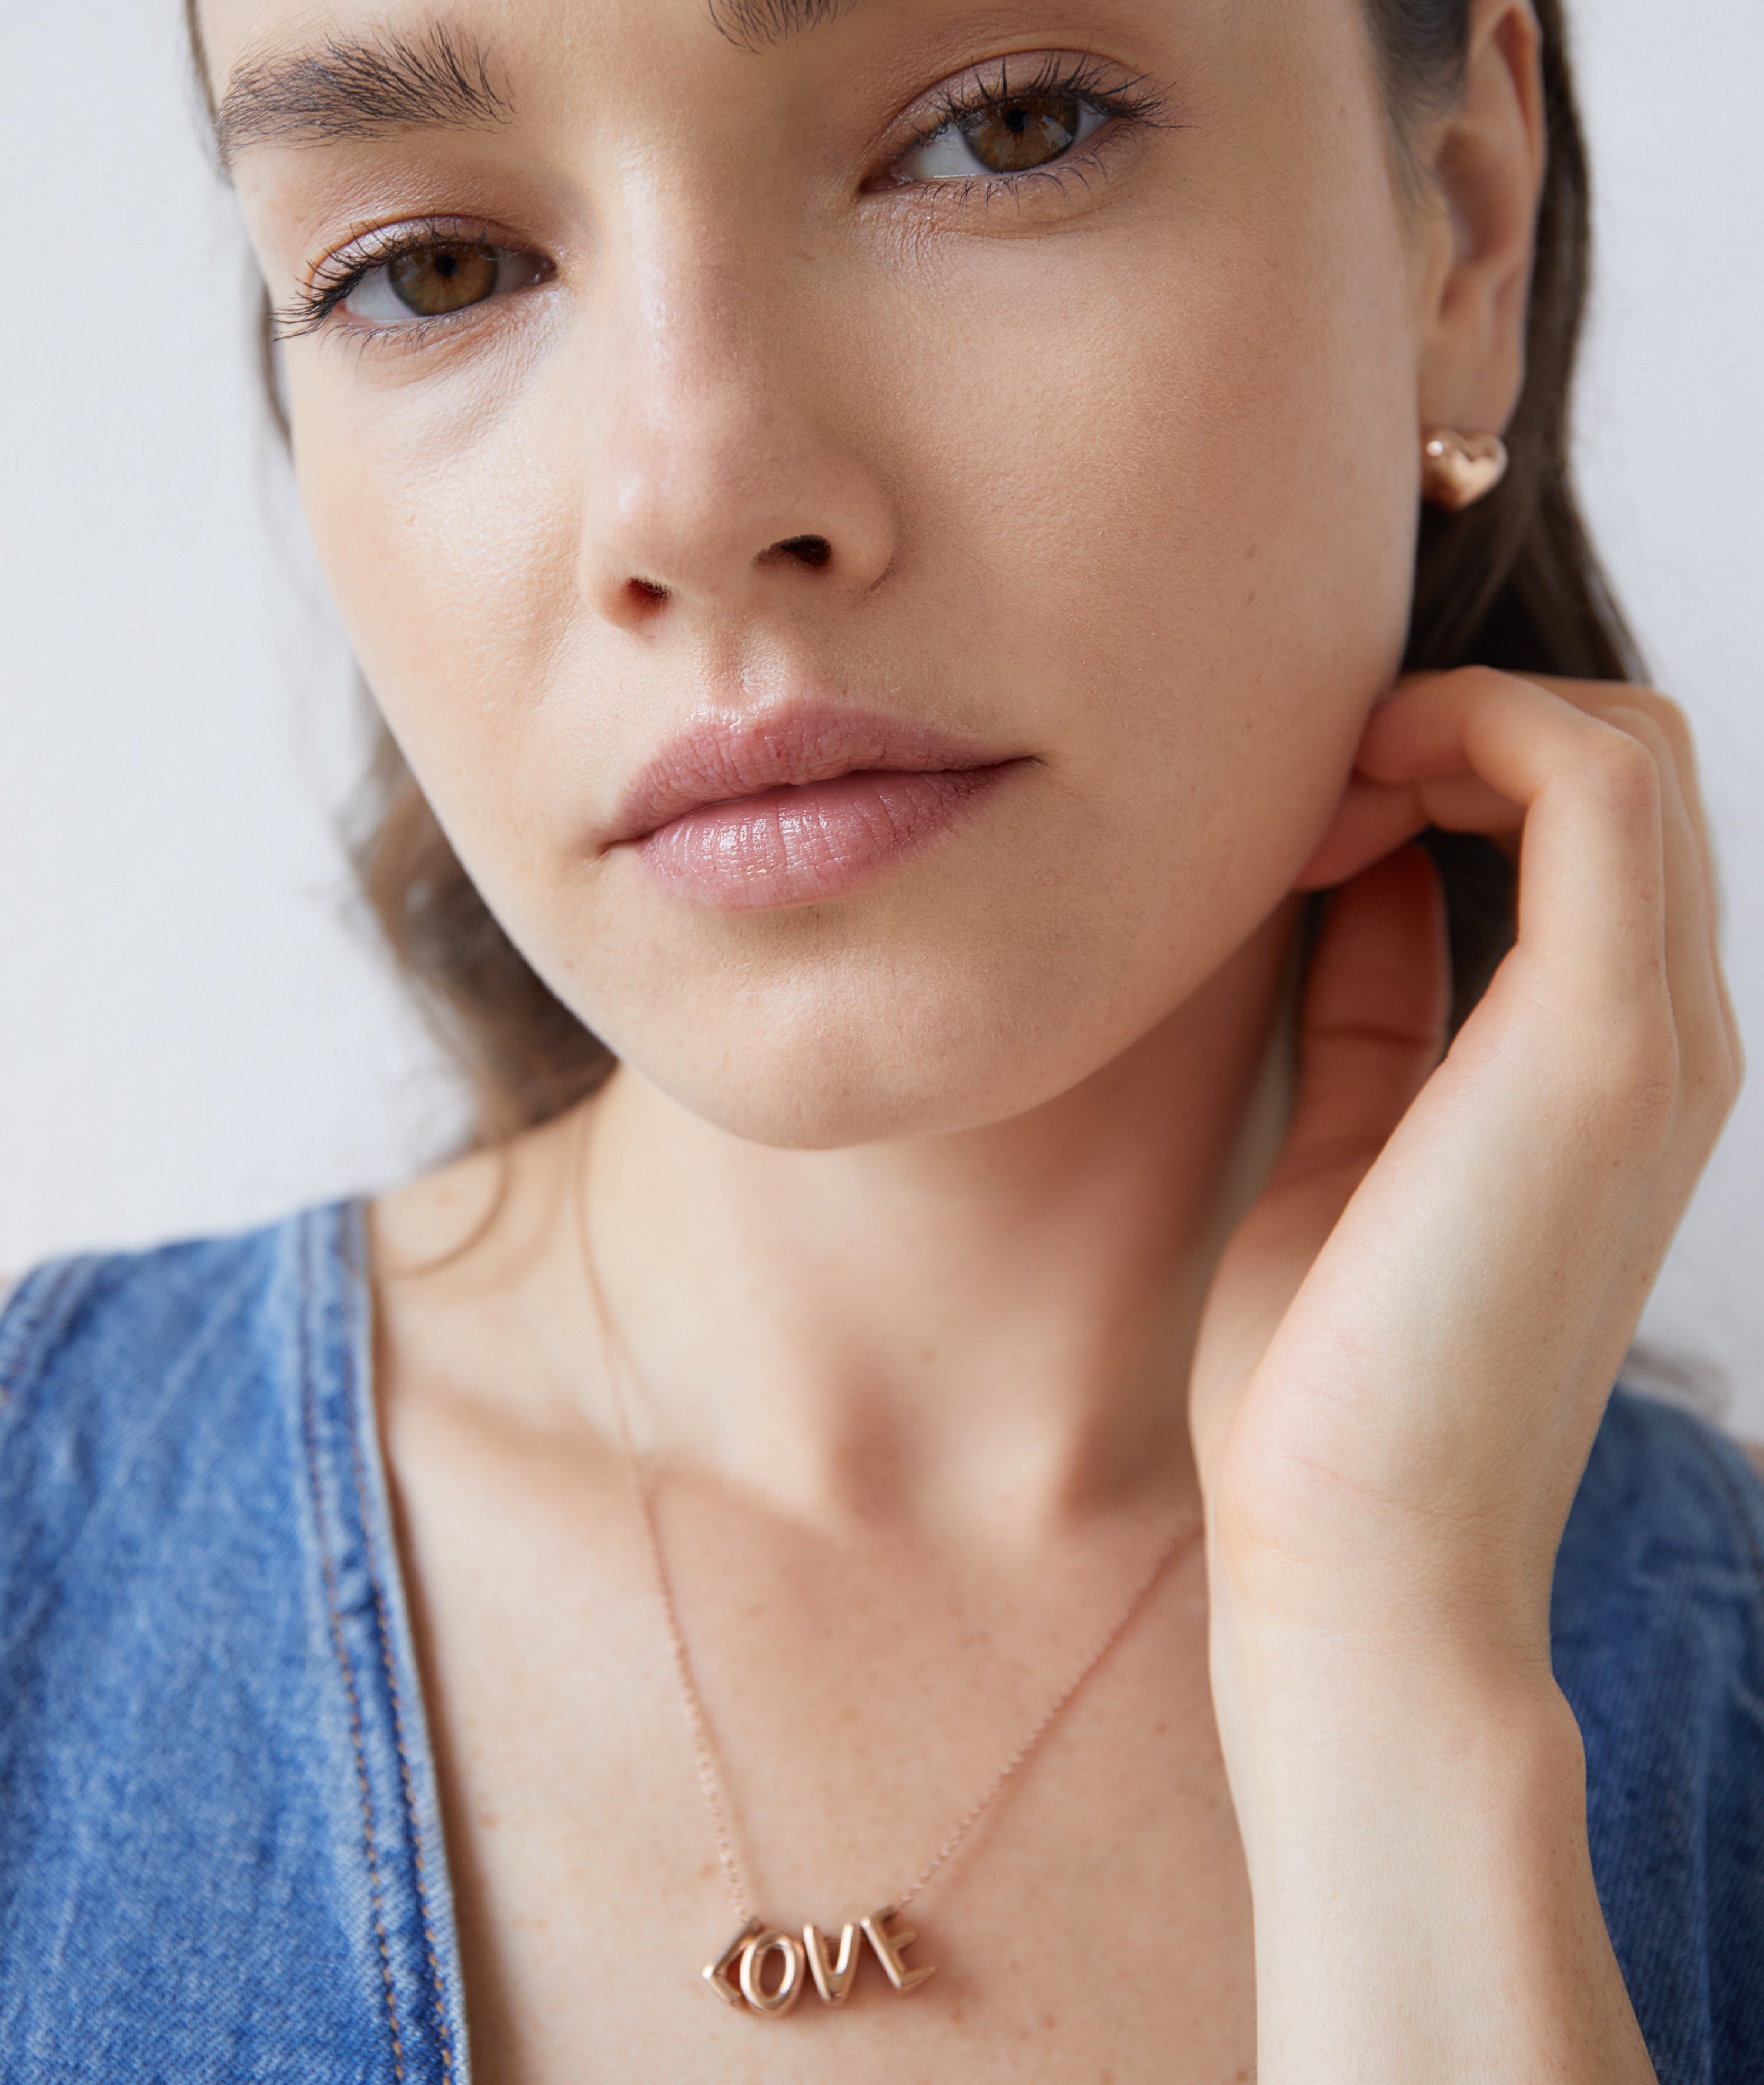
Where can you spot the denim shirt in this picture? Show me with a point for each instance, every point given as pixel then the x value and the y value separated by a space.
pixel 221 1855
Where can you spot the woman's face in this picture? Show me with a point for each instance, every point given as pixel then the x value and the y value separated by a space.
pixel 1016 401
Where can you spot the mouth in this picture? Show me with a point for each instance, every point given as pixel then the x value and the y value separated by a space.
pixel 799 806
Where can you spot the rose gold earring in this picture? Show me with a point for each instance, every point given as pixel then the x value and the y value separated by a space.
pixel 1457 470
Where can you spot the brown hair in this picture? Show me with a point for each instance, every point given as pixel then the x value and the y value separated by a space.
pixel 1512 581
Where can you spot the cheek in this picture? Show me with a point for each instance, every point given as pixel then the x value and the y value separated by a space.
pixel 1156 497
pixel 444 511
pixel 1172 508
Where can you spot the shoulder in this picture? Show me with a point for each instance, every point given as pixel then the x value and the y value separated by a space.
pixel 1657 1625
pixel 1667 1501
pixel 1652 1451
pixel 211 1746
pixel 103 1354
pixel 1658 1604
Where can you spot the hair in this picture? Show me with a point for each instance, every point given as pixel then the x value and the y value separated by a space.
pixel 1512 583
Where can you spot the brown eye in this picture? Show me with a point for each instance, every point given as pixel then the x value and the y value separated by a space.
pixel 436 280
pixel 1028 131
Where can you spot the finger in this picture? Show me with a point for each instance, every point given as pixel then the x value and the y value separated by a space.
pixel 1375 818
pixel 1592 886
pixel 1701 1009
pixel 1373 1019
pixel 1700 991
pixel 1670 738
pixel 1669 721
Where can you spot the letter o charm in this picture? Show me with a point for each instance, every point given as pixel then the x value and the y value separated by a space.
pixel 789 1988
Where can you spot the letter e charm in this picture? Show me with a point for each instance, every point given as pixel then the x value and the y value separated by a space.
pixel 889 1947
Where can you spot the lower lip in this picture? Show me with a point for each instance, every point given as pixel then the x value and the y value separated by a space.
pixel 804 846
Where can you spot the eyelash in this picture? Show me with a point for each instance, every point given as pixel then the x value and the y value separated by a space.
pixel 1131 102
pixel 339 275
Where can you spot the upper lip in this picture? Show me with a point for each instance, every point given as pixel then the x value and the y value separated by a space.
pixel 720 760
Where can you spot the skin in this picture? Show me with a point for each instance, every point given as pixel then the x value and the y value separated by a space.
pixel 908 1206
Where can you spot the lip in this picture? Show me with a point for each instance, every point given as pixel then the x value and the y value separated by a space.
pixel 798 805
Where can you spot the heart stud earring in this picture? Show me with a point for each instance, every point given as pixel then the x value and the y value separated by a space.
pixel 1457 470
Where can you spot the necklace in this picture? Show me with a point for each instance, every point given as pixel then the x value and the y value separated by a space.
pixel 742 1975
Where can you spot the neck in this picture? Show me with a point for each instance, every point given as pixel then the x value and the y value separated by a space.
pixel 986 1332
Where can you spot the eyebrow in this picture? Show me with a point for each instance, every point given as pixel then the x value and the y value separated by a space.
pixel 349 88
pixel 753 25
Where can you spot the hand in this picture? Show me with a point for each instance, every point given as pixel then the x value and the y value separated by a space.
pixel 1402 1363
pixel 1408 1346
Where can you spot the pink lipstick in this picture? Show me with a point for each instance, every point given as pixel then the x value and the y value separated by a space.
pixel 799 806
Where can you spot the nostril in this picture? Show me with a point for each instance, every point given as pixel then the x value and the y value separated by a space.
pixel 644 594
pixel 813 551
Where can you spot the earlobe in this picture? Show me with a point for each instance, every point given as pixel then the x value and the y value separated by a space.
pixel 1457 470
pixel 1487 163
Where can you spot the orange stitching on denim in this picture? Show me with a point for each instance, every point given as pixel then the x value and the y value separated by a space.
pixel 354 1702
pixel 398 1732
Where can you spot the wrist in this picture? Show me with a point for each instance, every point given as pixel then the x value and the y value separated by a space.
pixel 1323 1740
pixel 1415 1838
pixel 1312 1714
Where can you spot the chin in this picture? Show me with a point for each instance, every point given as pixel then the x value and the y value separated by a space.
pixel 968 992
pixel 834 1091
pixel 851 1052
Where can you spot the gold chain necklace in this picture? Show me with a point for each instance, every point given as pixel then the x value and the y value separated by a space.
pixel 741 1975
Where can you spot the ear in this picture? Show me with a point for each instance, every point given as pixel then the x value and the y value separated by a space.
pixel 1484 159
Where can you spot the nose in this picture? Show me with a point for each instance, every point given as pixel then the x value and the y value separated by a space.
pixel 730 476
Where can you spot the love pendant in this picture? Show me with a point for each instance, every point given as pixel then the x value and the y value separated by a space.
pixel 743 1974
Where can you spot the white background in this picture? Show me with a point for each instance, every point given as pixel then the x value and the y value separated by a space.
pixel 196 1031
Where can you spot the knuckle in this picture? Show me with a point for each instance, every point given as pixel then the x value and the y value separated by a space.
pixel 1711 1085
pixel 1477 682
pixel 1662 724
pixel 1664 712
pixel 1624 772
pixel 1639 1072
pixel 1670 718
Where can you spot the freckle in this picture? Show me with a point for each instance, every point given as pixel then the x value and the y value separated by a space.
pixel 927 1355
pixel 1163 1730
pixel 1048 2023
pixel 488 1820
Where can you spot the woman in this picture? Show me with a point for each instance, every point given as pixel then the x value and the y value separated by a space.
pixel 886 537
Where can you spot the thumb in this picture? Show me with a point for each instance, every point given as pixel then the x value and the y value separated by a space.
pixel 1371 1025
pixel 1372 1022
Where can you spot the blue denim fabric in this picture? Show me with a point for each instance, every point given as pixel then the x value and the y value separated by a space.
pixel 220 1845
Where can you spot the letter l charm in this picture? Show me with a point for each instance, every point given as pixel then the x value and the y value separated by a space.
pixel 716 1974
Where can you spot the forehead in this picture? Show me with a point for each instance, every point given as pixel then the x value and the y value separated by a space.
pixel 230 29
pixel 290 72
pixel 551 74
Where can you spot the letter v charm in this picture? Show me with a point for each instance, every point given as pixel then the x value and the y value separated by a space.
pixel 833 1979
